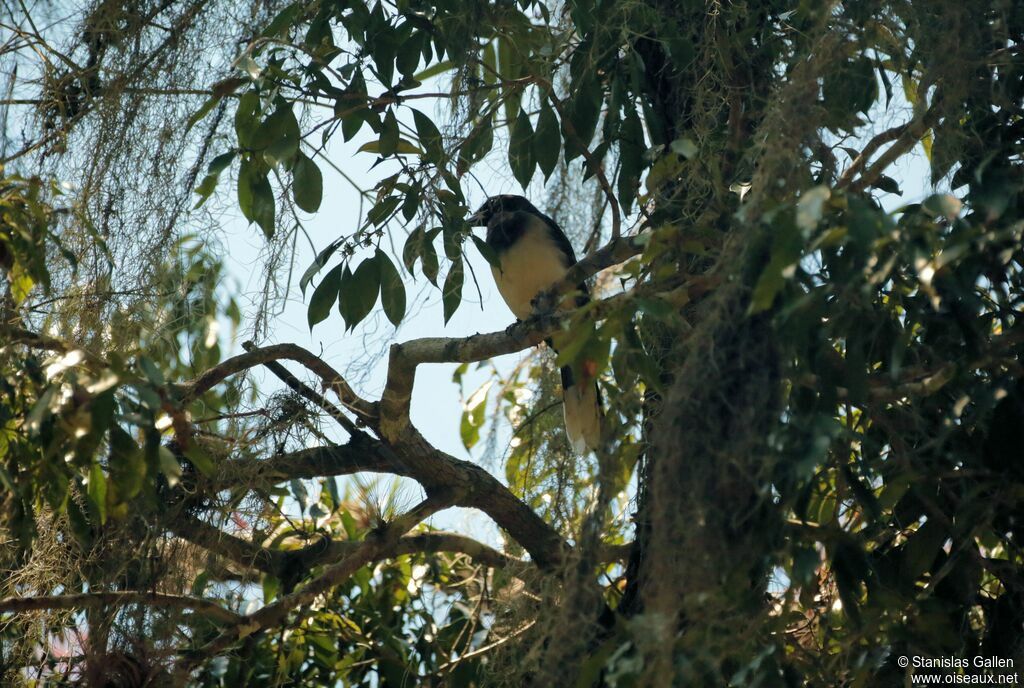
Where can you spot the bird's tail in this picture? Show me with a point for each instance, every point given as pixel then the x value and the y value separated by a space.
pixel 582 406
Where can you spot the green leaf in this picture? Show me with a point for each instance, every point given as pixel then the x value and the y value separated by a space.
pixel 411 250
pixel 278 136
pixel 98 491
pixel 403 147
pixel 382 210
pixel 786 251
pixel 388 141
pixel 408 57
pixel 486 251
pixel 284 20
pixel 271 586
pixel 520 149
pixel 198 457
pixel 209 183
pixel 307 184
pixel 473 416
pixel 392 290
pixel 428 256
pixel 921 549
pixel 451 240
pixel 358 292
pixel 631 158
pixel 255 196
pixel 205 109
pixel 324 296
pixel 887 184
pixel 152 373
pixel 584 109
pixel 434 70
pixel 318 263
pixel 685 147
pixel 451 293
pixel 547 140
pixel 477 144
pixel 943 205
pixel 220 163
pixel 170 466
pixel 247 118
pixel 430 137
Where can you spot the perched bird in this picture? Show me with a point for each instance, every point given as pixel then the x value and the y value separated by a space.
pixel 534 254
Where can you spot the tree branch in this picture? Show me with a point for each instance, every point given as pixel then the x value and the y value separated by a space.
pixel 378 545
pixel 236 364
pixel 905 136
pixel 360 454
pixel 98 599
pixel 306 392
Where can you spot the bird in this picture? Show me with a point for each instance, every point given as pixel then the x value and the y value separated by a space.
pixel 533 254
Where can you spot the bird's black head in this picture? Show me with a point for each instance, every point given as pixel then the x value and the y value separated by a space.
pixel 495 205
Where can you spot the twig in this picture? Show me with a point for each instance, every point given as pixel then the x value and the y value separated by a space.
pixel 306 392
pixel 117 598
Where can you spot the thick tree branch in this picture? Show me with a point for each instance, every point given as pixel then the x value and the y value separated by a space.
pixel 904 136
pixel 213 539
pixel 100 599
pixel 378 545
pixel 306 392
pixel 360 454
pixel 236 364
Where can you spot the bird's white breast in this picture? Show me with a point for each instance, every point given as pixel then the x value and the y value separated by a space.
pixel 528 267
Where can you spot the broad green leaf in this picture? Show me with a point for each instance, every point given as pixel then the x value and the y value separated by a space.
pixel 392 290
pixel 403 147
pixel 547 140
pixel 205 109
pixel 247 118
pixel 318 263
pixel 358 292
pixel 486 251
pixel 520 149
pixel 198 457
pixel 434 70
pixel 584 109
pixel 255 196
pixel 170 466
pixel 685 147
pixel 388 141
pixel 152 373
pixel 408 57
pixel 451 293
pixel 277 136
pixel 285 19
pixel 430 137
pixel 921 549
pixel 477 144
pixel 428 256
pixel 382 210
pixel 411 250
pixel 944 205
pixel 98 491
pixel 631 158
pixel 307 184
pixel 473 416
pixel 324 295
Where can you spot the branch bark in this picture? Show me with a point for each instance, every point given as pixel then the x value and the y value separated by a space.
pixel 99 599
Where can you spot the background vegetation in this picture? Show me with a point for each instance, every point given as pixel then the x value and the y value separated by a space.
pixel 815 404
